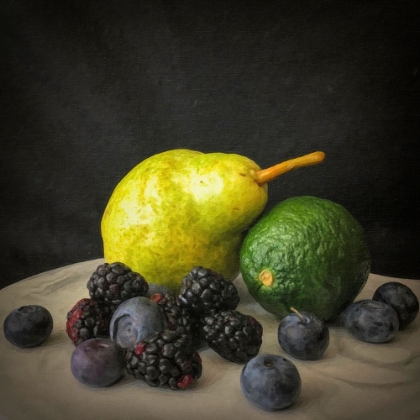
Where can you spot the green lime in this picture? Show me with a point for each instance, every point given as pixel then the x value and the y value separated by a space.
pixel 308 253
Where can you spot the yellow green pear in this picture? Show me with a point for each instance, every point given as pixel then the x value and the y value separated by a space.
pixel 182 208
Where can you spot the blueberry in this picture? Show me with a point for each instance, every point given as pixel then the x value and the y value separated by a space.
pixel 371 321
pixel 136 319
pixel 303 335
pixel 28 326
pixel 270 382
pixel 98 362
pixel 401 298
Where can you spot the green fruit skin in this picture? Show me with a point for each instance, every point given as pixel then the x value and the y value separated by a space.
pixel 316 252
pixel 182 208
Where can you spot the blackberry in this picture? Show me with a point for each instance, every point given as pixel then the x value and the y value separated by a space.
pixel 115 283
pixel 87 319
pixel 178 317
pixel 165 359
pixel 233 335
pixel 204 290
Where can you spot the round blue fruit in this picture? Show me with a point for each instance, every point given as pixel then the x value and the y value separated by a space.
pixel 136 319
pixel 303 335
pixel 270 382
pixel 98 362
pixel 371 321
pixel 401 298
pixel 28 326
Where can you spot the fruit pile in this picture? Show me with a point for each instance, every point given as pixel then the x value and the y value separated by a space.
pixel 272 382
pixel 157 331
pixel 306 253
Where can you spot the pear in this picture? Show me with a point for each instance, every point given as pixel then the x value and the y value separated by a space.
pixel 182 208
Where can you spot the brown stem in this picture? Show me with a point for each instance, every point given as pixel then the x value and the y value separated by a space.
pixel 298 313
pixel 265 175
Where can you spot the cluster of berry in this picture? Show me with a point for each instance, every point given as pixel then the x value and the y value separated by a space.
pixel 212 301
pixel 158 331
pixel 109 286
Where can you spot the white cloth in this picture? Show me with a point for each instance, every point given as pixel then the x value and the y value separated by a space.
pixel 354 380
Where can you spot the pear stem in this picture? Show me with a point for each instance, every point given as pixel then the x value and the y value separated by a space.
pixel 265 175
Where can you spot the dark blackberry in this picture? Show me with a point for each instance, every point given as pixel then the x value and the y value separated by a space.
pixel 165 359
pixel 178 317
pixel 88 319
pixel 204 290
pixel 115 283
pixel 233 335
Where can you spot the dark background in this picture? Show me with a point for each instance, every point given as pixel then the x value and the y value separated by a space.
pixel 91 88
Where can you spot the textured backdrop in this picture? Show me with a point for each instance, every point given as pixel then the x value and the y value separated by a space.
pixel 89 89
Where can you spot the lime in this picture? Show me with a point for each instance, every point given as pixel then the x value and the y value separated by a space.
pixel 308 253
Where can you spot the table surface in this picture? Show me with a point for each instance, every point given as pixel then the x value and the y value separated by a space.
pixel 354 380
